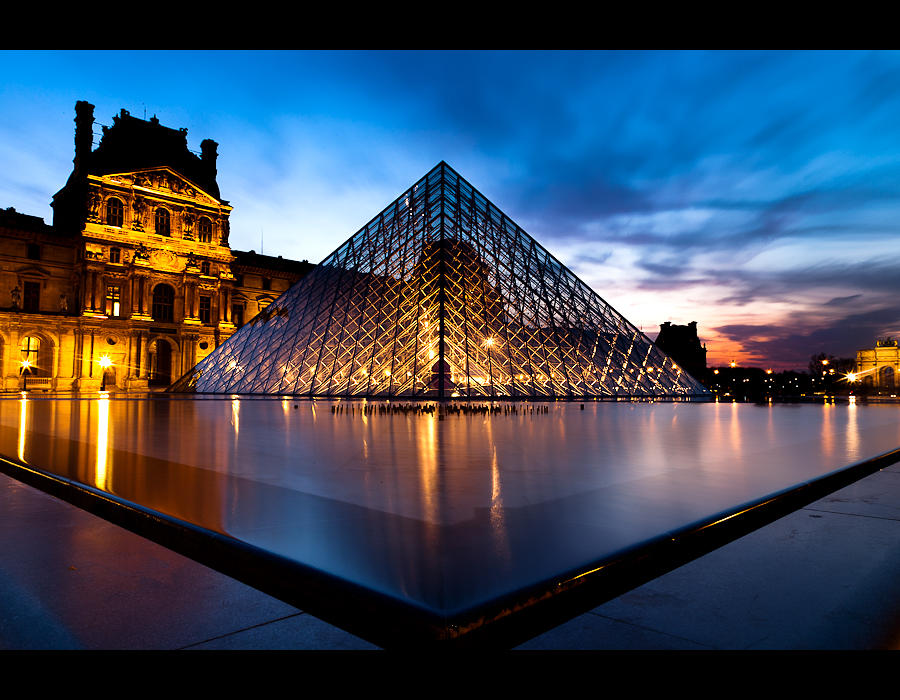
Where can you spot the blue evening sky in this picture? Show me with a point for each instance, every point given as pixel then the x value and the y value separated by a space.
pixel 757 193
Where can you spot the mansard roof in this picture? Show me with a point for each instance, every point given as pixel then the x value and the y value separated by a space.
pixel 132 144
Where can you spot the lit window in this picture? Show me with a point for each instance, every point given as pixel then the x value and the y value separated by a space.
pixel 113 297
pixel 30 348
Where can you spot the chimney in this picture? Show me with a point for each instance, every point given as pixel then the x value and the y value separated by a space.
pixel 209 155
pixel 84 134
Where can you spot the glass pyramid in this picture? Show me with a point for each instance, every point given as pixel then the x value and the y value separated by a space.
pixel 441 296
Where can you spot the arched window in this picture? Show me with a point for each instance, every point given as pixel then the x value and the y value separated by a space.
pixel 163 303
pixel 163 222
pixel 204 230
pixel 886 377
pixel 33 356
pixel 115 212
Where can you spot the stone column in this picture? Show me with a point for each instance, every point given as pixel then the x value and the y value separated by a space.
pixel 145 356
pixel 89 291
pixel 100 304
pixel 145 296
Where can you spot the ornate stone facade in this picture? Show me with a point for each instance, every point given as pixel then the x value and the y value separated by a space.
pixel 879 367
pixel 136 270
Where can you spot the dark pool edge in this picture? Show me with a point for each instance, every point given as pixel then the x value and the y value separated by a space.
pixel 499 624
pixel 370 615
pixel 515 618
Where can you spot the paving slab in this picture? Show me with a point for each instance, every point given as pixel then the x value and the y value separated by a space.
pixel 71 580
pixel 823 577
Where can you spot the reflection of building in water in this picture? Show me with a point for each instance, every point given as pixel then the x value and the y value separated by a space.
pixel 682 345
pixel 136 266
pixel 442 295
pixel 878 367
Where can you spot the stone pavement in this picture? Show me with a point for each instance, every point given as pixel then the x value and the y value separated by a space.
pixel 824 577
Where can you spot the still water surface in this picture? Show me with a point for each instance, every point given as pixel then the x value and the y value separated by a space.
pixel 441 513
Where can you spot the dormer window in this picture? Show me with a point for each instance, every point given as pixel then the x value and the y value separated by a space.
pixel 163 222
pixel 204 230
pixel 115 212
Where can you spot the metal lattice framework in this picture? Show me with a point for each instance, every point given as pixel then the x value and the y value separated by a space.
pixel 441 295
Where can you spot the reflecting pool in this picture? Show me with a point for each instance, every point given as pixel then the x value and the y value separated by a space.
pixel 439 510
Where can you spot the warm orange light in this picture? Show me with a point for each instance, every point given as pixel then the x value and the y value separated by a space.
pixel 768 371
pixel 105 361
pixel 824 362
pixel 715 371
pixel 489 342
pixel 851 377
pixel 26 364
pixel 733 363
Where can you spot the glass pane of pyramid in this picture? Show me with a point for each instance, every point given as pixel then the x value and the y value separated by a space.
pixel 443 296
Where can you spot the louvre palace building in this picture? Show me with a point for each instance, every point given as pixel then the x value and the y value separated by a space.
pixel 135 281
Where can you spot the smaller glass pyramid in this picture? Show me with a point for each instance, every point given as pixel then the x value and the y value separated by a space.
pixel 441 296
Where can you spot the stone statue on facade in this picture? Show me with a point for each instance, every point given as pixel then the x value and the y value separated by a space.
pixel 16 295
pixel 137 221
pixel 93 207
pixel 188 226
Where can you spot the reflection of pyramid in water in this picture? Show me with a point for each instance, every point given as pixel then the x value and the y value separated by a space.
pixel 441 295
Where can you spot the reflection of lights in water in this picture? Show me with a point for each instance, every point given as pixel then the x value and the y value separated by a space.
pixel 497 513
pixel 23 426
pixel 852 430
pixel 235 414
pixel 101 479
pixel 827 428
pixel 428 463
pixel 735 432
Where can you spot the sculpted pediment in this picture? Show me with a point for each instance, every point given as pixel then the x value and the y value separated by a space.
pixel 163 181
pixel 166 260
pixel 32 271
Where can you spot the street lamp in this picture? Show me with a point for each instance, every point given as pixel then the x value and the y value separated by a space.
pixel 25 371
pixel 105 363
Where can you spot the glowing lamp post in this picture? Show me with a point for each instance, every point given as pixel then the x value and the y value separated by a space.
pixel 25 371
pixel 105 363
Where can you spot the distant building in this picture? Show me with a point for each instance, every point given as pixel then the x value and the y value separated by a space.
pixel 878 367
pixel 136 266
pixel 682 345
